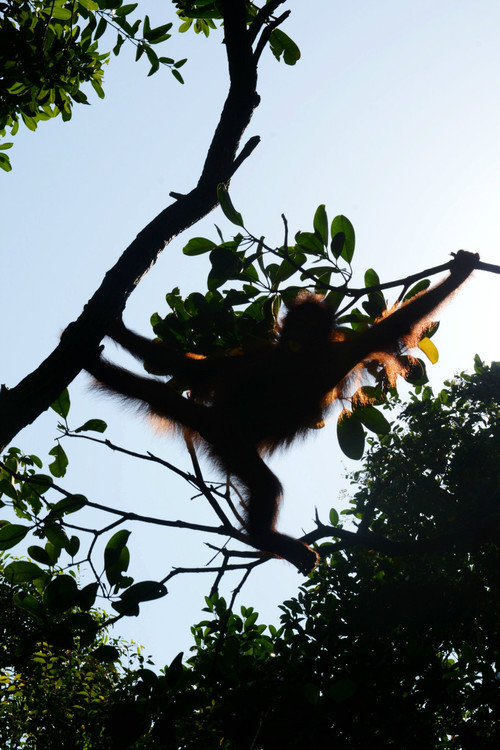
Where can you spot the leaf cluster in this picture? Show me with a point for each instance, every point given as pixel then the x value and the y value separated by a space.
pixel 417 633
pixel 52 695
pixel 465 416
pixel 60 606
pixel 247 273
pixel 248 283
pixel 50 49
pixel 201 16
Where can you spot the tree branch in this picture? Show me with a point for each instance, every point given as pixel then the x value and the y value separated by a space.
pixel 22 404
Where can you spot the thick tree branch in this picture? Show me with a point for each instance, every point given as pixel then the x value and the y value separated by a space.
pixel 407 281
pixel 35 393
pixel 468 535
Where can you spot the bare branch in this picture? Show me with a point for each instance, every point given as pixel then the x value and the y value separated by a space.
pixel 203 487
pixel 143 456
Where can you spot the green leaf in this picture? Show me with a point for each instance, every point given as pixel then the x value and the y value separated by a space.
pixel 371 393
pixel 420 286
pixel 36 460
pixel 320 224
pixel 62 404
pixel 351 435
pixel 198 246
pixel 467 654
pixel 281 44
pixel 145 591
pixel 125 10
pixel 62 14
pixel 373 420
pixel 11 534
pixel 106 654
pixel 311 693
pixel 334 517
pixel 227 207
pixel 278 273
pixel 153 59
pixel 5 163
pixel 41 480
pixel 159 34
pixel 139 592
pixel 371 278
pixel 29 604
pixel 119 42
pixel 197 13
pixel 101 28
pixel 416 373
pixel 225 265
pixel 39 554
pixel 116 556
pixel 22 571
pixel 58 467
pixel 61 594
pixel 93 425
pixel 87 595
pixel 82 624
pixel 127 608
pixel 342 226
pixel 310 243
pixel 89 4
pixel 97 86
pixel 7 488
pixel 67 505
pixel 56 535
pixel 72 546
pixel 53 551
pixel 375 305
pixel 433 328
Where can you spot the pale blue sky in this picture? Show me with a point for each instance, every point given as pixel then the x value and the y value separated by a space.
pixel 392 117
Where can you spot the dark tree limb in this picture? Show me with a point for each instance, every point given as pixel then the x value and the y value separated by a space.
pixel 468 534
pixel 22 404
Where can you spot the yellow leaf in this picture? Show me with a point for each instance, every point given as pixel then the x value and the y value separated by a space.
pixel 429 350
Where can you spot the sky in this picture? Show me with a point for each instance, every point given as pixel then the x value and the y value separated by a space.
pixel 391 117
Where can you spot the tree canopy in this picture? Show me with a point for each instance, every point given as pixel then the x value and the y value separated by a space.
pixel 50 49
pixel 426 533
pixel 248 282
pixel 378 649
pixel 382 648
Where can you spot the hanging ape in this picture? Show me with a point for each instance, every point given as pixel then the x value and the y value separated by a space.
pixel 246 404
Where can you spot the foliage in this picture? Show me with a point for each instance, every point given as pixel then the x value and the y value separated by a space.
pixel 465 433
pixel 250 280
pixel 28 493
pixel 375 651
pixel 49 49
pixel 355 641
pixel 245 273
pixel 418 632
pixel 201 17
pixel 53 696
